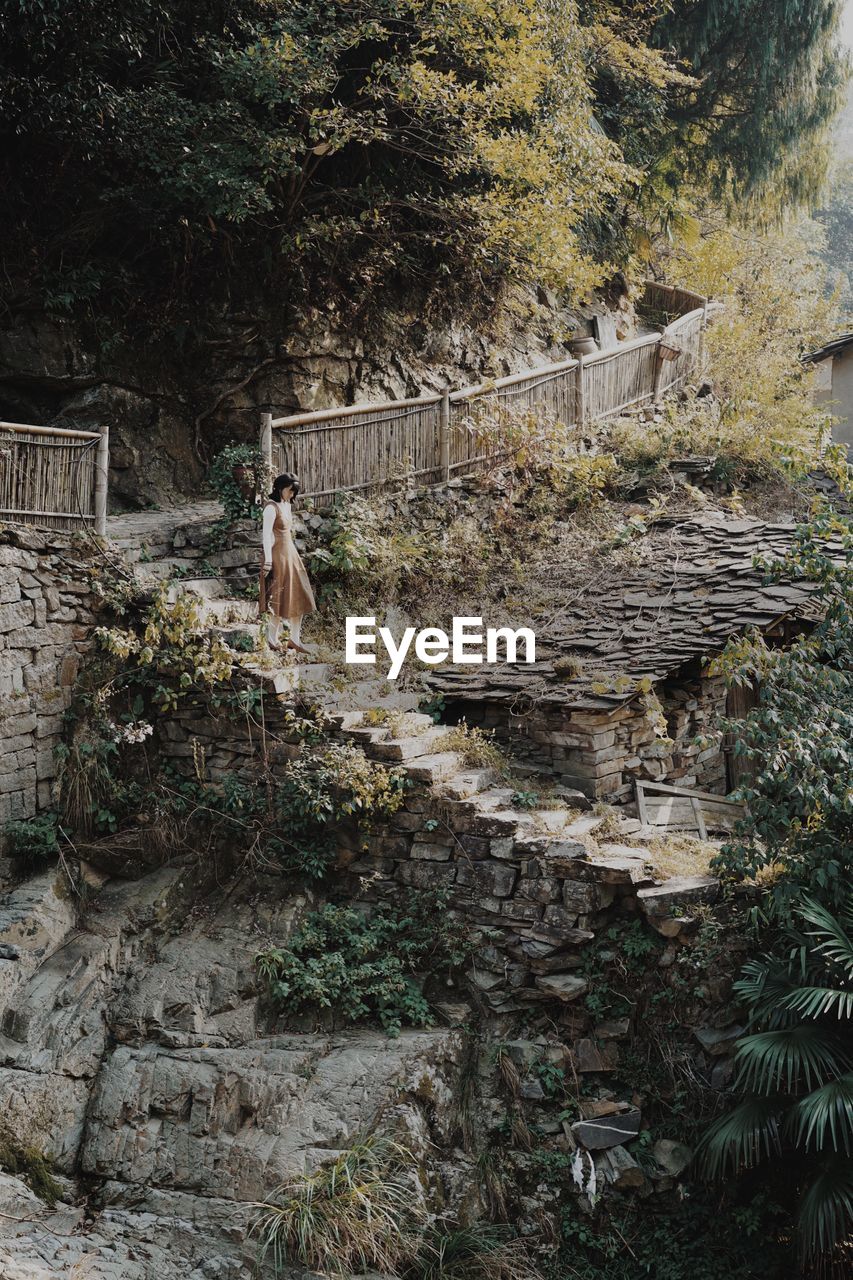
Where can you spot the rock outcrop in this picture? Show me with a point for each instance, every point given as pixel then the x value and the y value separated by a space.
pixel 135 1054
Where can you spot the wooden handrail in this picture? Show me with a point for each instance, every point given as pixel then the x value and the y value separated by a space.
pixel 333 447
pixel 610 353
pixel 681 321
pixel 65 432
pixel 512 379
pixel 347 411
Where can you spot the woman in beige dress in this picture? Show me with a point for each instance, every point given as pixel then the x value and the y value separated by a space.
pixel 285 590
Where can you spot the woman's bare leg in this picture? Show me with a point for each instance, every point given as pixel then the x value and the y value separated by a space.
pixel 273 630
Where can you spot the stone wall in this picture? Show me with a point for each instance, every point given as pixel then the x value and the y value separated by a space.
pixel 536 899
pixel 45 628
pixel 603 753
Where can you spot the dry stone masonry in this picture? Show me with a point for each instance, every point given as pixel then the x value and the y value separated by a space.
pixel 45 628
pixel 537 898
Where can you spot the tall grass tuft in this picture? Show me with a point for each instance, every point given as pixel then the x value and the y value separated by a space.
pixel 481 1251
pixel 359 1212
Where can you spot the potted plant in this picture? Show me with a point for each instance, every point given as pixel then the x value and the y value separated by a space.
pixel 582 344
pixel 238 476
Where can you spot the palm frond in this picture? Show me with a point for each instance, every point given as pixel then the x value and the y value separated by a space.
pixel 825 1218
pixel 748 1134
pixel 762 985
pixel 790 1058
pixel 834 942
pixel 815 1002
pixel 828 1109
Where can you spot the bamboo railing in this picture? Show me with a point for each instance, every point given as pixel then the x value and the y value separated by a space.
pixel 435 437
pixel 53 477
pixel 669 302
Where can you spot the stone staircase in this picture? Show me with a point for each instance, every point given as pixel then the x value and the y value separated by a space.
pixel 539 874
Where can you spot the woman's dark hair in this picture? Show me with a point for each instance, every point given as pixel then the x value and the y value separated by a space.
pixel 281 483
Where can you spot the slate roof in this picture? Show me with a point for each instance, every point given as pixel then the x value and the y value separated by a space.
pixel 832 348
pixel 684 607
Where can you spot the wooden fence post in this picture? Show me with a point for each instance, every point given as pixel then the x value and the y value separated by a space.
pixel 266 440
pixel 580 395
pixel 102 471
pixel 658 370
pixel 444 437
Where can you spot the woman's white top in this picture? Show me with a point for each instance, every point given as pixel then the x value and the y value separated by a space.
pixel 269 525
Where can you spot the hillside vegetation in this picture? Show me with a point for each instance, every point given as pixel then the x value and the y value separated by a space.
pixel 163 157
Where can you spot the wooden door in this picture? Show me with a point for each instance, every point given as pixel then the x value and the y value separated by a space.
pixel 740 700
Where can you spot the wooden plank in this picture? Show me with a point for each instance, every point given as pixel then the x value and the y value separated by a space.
pixel 52 515
pixel 480 389
pixel 681 808
pixel 667 788
pixel 634 344
pixel 642 810
pixel 700 821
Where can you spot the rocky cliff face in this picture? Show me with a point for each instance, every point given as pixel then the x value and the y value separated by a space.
pixel 169 409
pixel 133 1052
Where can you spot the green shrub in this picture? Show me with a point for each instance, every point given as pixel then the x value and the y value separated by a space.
pixel 481 1251
pixel 476 746
pixel 290 820
pixel 33 841
pixel 696 1239
pixel 361 966
pixel 797 741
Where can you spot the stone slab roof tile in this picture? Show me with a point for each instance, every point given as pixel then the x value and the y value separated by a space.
pixel 703 589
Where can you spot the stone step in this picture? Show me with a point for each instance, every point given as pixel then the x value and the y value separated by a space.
pixel 368 734
pixel 495 798
pixel 308 675
pixel 164 570
pixel 235 631
pixel 462 786
pixel 497 822
pixel 229 609
pixel 135 552
pixel 585 826
pixel 413 724
pixel 470 817
pixel 345 720
pixel 399 750
pixel 553 820
pixel 430 770
pixel 359 695
pixel 208 588
pixel 420 722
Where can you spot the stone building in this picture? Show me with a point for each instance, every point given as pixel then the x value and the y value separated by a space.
pixel 834 385
pixel 621 689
